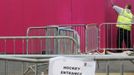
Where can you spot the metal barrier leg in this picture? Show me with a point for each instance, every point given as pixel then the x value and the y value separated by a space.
pixel 6 65
pixel 98 65
pixel 107 68
pixel 122 68
pixel 36 69
pixel 23 68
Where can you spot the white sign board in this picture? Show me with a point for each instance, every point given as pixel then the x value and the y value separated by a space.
pixel 71 66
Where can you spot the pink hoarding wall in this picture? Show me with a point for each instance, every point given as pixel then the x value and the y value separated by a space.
pixel 17 15
pixel 111 15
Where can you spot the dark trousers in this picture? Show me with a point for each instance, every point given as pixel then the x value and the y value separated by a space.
pixel 123 34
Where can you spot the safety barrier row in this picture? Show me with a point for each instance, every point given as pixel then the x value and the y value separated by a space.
pixel 38 64
pixel 90 37
pixel 35 44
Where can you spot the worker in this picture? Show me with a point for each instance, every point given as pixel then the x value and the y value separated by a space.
pixel 124 25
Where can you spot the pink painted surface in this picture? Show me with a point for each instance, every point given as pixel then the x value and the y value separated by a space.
pixel 17 15
pixel 111 14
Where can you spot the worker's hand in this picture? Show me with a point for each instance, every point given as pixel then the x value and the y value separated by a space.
pixel 113 4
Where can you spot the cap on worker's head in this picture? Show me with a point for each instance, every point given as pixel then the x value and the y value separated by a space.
pixel 128 6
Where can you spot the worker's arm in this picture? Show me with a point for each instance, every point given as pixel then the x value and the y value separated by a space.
pixel 117 9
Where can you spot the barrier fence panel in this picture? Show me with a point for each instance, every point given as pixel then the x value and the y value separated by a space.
pixel 12 46
pixel 77 31
pixel 40 44
pixel 65 31
pixel 11 68
pixel 91 38
pixel 21 68
pixel 114 38
pixel 35 44
pixel 88 34
pixel 50 44
pixel 109 64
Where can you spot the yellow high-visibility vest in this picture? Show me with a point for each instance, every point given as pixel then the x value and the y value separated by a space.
pixel 125 20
